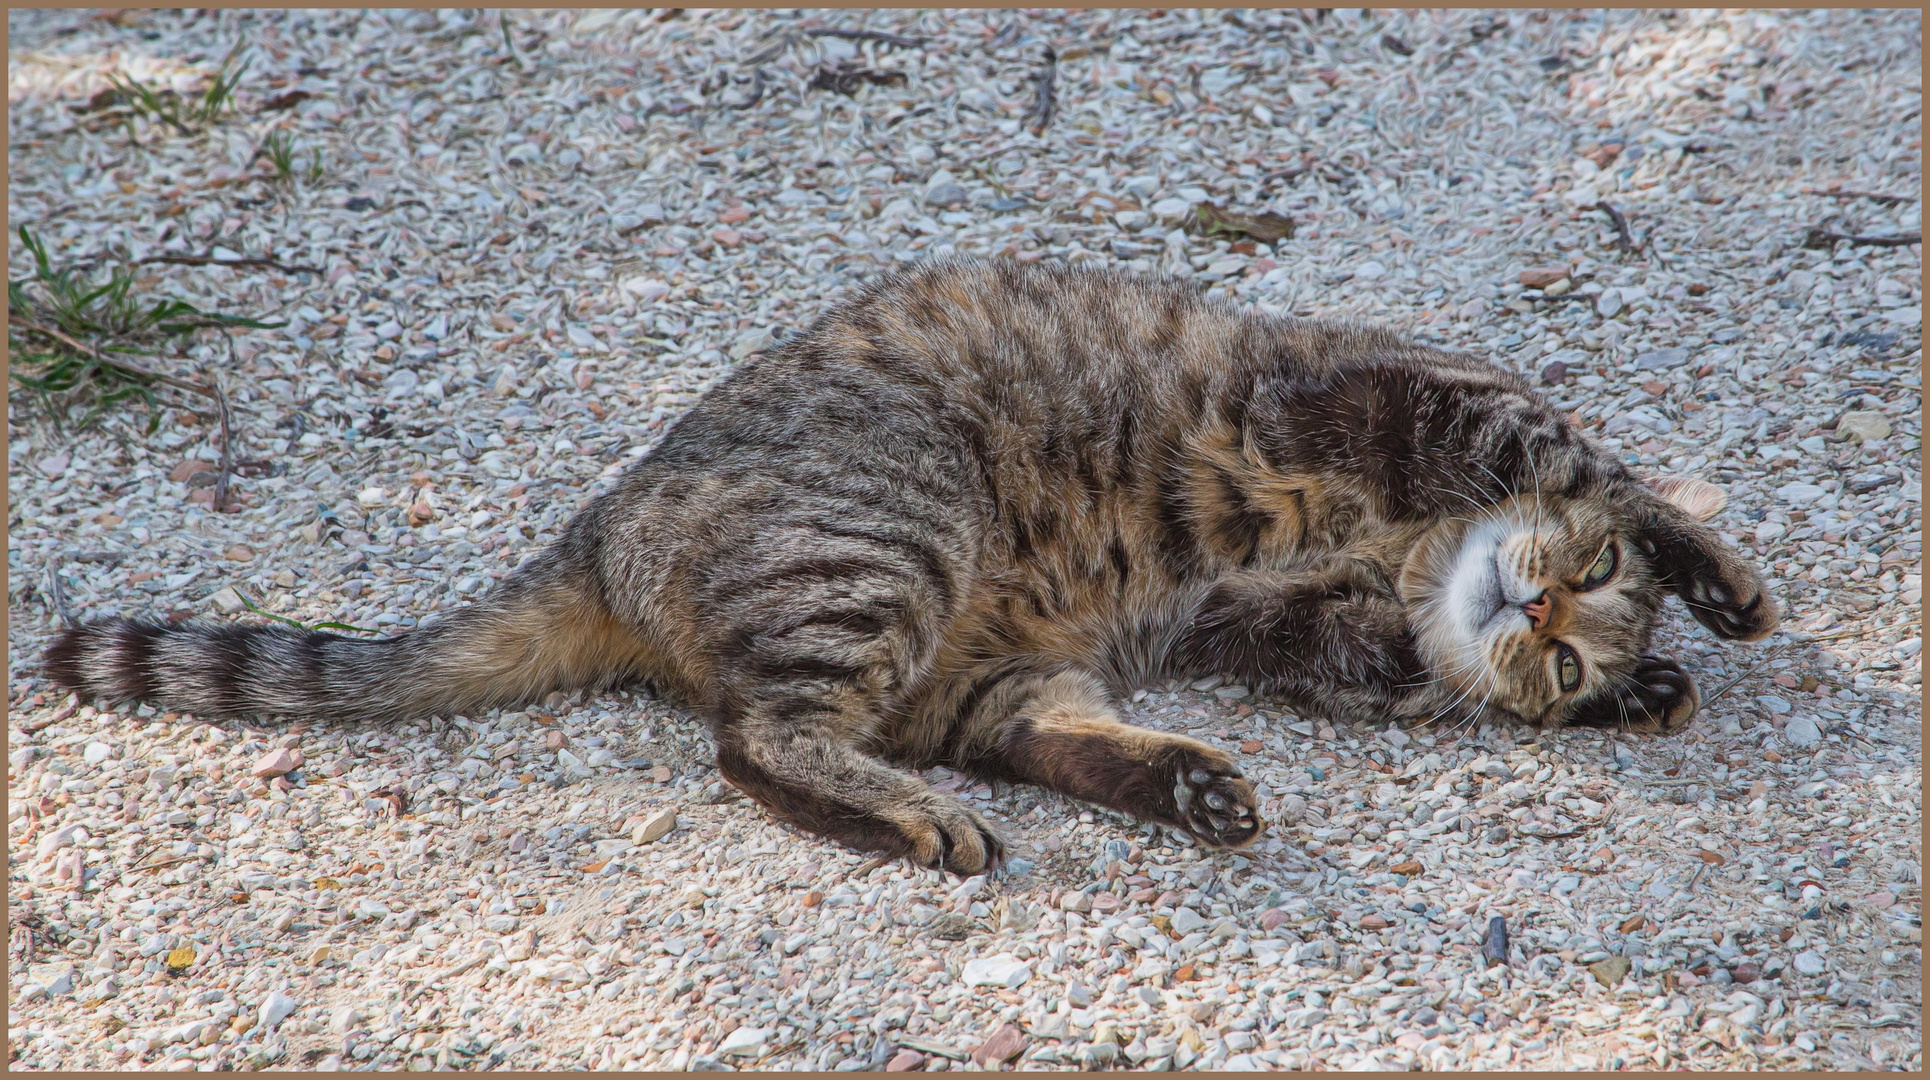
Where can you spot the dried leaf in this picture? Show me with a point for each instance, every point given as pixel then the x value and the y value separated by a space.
pixel 180 959
pixel 1214 220
pixel 285 101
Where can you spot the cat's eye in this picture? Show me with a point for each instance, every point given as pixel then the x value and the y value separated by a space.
pixel 1602 570
pixel 1570 667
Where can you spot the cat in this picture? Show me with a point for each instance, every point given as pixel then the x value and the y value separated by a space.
pixel 974 502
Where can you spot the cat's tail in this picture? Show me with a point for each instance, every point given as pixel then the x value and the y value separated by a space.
pixel 543 629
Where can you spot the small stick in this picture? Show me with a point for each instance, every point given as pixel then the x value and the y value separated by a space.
pixel 227 435
pixel 780 1051
pixel 58 595
pixel 1293 172
pixel 209 260
pixel 1819 237
pixel 1731 684
pixel 1041 115
pixel 118 363
pixel 865 868
pixel 1624 242
pixel 164 862
pixel 898 40
pixel 1874 196
pixel 502 20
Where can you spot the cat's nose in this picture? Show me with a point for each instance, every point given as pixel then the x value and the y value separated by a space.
pixel 1538 610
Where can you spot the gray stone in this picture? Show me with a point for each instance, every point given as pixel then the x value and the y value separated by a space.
pixel 947 195
pixel 56 978
pixel 274 1009
pixel 1809 962
pixel 1801 732
pixel 655 827
pixel 1187 921
pixel 1662 359
pixel 1172 209
pixel 744 1042
pixel 1800 494
pixel 1004 970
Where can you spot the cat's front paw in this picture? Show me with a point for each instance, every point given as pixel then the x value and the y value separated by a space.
pixel 1657 698
pixel 1214 801
pixel 1733 604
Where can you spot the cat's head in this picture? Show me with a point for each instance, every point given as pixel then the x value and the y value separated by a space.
pixel 1543 607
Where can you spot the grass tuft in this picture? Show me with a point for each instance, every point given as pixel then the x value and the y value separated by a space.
pixel 185 114
pixel 75 338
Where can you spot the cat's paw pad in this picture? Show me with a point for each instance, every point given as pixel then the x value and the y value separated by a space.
pixel 1657 698
pixel 1739 608
pixel 940 832
pixel 1214 801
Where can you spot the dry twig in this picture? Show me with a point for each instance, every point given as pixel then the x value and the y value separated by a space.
pixel 1818 237
pixel 1624 242
pixel 247 260
pixel 1040 117
pixel 880 36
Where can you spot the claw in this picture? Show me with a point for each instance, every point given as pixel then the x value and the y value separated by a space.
pixel 1201 776
pixel 1182 796
pixel 1219 823
pixel 1215 800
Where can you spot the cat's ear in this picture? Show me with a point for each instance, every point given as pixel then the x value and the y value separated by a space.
pixel 1699 499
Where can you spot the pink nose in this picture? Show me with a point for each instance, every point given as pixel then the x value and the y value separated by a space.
pixel 1538 610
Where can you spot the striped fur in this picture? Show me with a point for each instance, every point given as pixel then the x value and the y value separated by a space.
pixel 971 504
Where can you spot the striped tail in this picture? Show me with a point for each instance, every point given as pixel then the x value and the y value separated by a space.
pixel 537 632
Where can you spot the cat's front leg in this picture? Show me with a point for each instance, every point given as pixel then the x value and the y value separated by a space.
pixel 1334 637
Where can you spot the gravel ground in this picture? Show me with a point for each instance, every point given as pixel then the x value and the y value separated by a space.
pixel 529 263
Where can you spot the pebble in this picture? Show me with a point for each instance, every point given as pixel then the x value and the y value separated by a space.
pixel 656 826
pixel 1540 277
pixel 276 763
pixel 1003 1045
pixel 1861 426
pixel 1187 921
pixel 1003 970
pixel 1662 359
pixel 1610 971
pixel 745 1042
pixel 1802 732
pixel 275 1008
pixel 1809 962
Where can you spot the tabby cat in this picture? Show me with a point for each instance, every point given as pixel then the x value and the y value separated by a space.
pixel 974 502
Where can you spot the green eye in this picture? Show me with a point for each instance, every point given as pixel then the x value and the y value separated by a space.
pixel 1602 570
pixel 1570 667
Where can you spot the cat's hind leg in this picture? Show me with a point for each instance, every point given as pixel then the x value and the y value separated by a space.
pixel 797 758
pixel 1058 730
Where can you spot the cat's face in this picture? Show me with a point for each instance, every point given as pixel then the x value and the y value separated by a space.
pixel 1542 603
